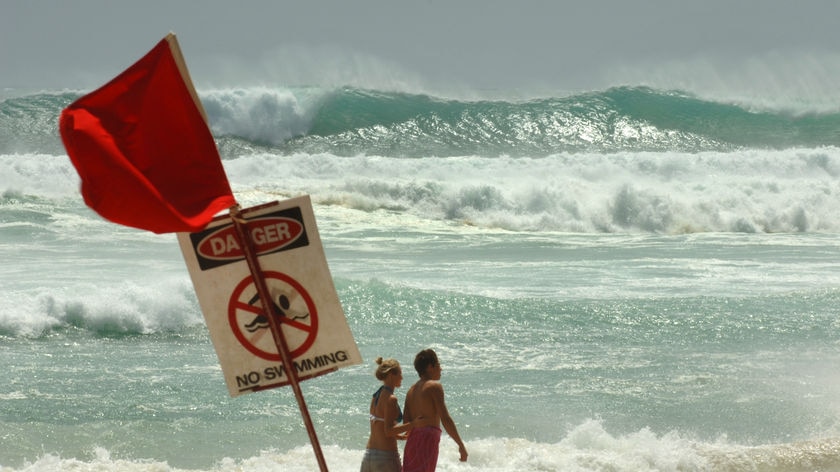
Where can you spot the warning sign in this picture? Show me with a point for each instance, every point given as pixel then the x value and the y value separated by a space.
pixel 303 297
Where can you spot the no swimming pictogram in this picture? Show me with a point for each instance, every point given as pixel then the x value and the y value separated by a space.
pixel 293 307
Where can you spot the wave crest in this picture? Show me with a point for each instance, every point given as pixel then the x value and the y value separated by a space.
pixel 122 309
pixel 587 448
pixel 352 121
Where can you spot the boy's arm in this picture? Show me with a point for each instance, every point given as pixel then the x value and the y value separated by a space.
pixel 446 420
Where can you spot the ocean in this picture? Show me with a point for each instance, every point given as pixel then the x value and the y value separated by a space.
pixel 628 279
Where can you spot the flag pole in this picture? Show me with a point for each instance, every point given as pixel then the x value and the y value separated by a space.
pixel 247 244
pixel 269 312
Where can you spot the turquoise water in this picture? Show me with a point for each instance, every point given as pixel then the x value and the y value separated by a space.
pixel 600 300
pixel 351 121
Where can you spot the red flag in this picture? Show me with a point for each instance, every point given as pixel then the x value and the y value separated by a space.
pixel 143 150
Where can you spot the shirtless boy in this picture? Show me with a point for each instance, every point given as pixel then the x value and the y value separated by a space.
pixel 425 400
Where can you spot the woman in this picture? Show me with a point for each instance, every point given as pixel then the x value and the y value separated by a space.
pixel 381 453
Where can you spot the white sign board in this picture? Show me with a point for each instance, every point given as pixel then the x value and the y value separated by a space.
pixel 295 270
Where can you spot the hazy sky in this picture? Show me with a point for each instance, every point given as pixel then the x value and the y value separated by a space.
pixel 479 44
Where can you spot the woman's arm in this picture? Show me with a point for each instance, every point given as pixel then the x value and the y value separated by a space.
pixel 398 430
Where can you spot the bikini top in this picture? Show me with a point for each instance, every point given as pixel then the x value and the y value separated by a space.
pixel 376 400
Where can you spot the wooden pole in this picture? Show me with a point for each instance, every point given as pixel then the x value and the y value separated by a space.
pixel 247 245
pixel 269 312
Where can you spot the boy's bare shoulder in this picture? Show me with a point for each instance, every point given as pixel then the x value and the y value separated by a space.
pixel 432 385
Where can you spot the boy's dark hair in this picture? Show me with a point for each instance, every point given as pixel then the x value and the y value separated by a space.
pixel 423 360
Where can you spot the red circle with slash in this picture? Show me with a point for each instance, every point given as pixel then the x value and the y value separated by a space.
pixel 252 330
